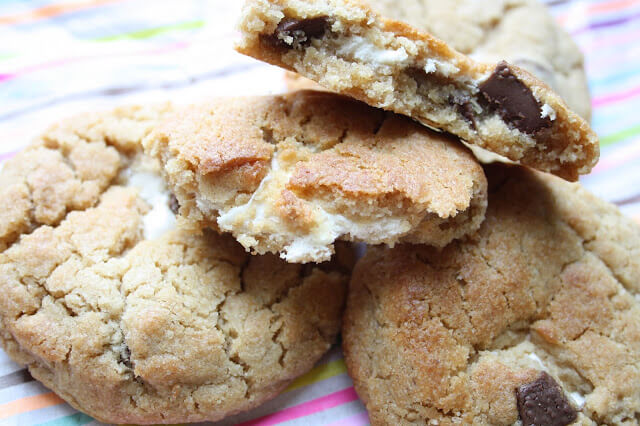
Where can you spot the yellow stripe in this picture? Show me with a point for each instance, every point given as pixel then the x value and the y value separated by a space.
pixel 152 32
pixel 319 373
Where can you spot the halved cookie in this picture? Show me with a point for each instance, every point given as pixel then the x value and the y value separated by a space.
pixel 521 32
pixel 291 174
pixel 348 48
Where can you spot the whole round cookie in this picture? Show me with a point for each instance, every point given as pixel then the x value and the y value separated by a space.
pixel 535 319
pixel 128 317
pixel 522 32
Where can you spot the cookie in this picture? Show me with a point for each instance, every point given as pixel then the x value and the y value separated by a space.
pixel 535 319
pixel 522 32
pixel 291 174
pixel 350 49
pixel 128 317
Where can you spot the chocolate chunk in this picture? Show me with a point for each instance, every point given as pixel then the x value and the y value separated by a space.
pixel 467 112
pixel 542 402
pixel 293 33
pixel 513 100
pixel 313 27
pixel 174 205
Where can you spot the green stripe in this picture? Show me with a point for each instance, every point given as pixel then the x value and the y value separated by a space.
pixel 4 56
pixel 152 32
pixel 77 419
pixel 620 136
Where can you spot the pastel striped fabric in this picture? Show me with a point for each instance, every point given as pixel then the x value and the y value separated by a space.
pixel 59 58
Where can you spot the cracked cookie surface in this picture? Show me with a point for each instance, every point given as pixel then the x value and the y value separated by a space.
pixel 293 173
pixel 536 316
pixel 349 48
pixel 129 317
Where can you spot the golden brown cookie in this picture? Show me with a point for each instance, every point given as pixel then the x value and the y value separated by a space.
pixel 535 319
pixel 291 174
pixel 348 48
pixel 128 317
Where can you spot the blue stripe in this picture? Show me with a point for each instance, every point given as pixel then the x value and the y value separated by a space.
pixel 617 77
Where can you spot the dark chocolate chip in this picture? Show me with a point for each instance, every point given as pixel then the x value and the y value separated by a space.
pixel 174 205
pixel 542 402
pixel 467 112
pixel 513 100
pixel 300 30
pixel 313 27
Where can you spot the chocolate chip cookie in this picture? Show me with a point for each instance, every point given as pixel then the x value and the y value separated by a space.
pixel 128 317
pixel 292 174
pixel 349 48
pixel 522 32
pixel 535 319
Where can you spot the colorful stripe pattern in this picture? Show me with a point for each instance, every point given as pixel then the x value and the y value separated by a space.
pixel 107 52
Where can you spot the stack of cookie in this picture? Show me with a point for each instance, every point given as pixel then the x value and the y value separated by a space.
pixel 171 264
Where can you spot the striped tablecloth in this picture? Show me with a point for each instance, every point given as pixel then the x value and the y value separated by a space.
pixel 57 59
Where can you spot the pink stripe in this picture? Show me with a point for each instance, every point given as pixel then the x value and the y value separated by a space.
pixel 610 41
pixel 359 419
pixel 64 61
pixel 7 155
pixel 599 9
pixel 615 97
pixel 306 408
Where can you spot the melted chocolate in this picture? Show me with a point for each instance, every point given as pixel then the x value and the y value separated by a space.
pixel 300 30
pixel 513 100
